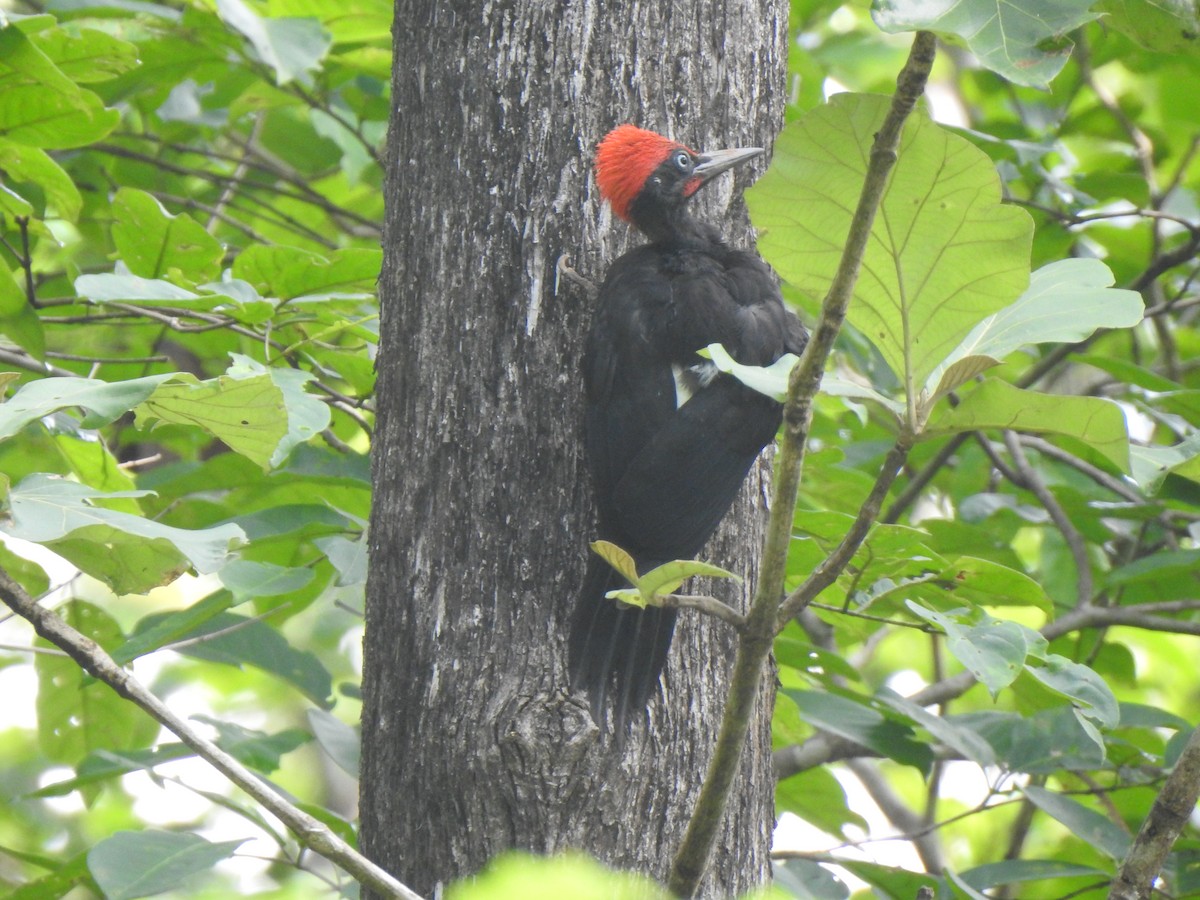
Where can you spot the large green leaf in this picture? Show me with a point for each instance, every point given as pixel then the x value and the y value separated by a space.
pixel 998 404
pixel 43 117
pixel 307 416
pixel 1066 301
pixel 103 400
pixel 1023 40
pixel 152 242
pixel 133 864
pixel 248 414
pixel 943 252
pixel 131 553
pixel 236 641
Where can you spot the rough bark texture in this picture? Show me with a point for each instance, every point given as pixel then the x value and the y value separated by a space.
pixel 471 743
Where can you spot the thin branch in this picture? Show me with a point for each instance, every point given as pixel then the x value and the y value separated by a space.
pixel 93 659
pixel 827 572
pixel 710 606
pixel 1168 815
pixel 928 847
pixel 691 861
pixel 1075 542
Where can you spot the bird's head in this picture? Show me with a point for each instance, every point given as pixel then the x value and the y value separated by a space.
pixel 646 176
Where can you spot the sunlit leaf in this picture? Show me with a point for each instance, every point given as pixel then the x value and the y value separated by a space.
pixel 915 299
pixel 998 404
pixel 1066 301
pixel 337 739
pixel 248 414
pixel 1023 40
pixel 152 242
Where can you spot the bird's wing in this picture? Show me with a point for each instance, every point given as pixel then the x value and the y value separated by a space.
pixel 674 492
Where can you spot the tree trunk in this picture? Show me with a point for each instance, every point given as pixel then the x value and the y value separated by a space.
pixel 471 743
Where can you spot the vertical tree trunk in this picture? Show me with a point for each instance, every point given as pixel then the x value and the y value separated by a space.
pixel 471 743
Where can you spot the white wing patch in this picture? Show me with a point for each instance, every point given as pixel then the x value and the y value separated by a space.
pixel 691 379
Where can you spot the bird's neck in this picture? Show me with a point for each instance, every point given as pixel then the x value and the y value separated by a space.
pixel 673 226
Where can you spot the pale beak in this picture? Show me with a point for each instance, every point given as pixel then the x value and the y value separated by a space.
pixel 717 161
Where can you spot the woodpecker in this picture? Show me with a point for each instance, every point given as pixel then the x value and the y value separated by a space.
pixel 668 438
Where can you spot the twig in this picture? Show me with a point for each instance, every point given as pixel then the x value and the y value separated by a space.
pixel 92 658
pixel 1075 542
pixel 710 606
pixel 1170 813
pixel 928 848
pixel 833 565
pixel 691 861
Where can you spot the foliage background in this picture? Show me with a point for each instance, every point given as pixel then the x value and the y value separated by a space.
pixel 189 205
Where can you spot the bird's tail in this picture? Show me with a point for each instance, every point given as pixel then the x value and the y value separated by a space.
pixel 617 648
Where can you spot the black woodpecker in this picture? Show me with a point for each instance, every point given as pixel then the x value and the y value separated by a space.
pixel 669 439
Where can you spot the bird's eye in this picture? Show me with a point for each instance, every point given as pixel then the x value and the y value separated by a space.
pixel 683 160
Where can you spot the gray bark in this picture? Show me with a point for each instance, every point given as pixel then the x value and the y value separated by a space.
pixel 471 743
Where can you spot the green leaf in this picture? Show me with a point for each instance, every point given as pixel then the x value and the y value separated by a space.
pixel 104 765
pixel 998 404
pixel 859 722
pixel 236 641
pixel 159 629
pixel 256 749
pixel 292 47
pixel 22 63
pixel 1023 40
pixel 46 118
pixel 944 251
pixel 955 736
pixel 1086 824
pixel 667 578
pixel 1066 301
pixel 23 163
pixel 152 243
pixel 1080 683
pixel 307 416
pixel 994 651
pixel 86 55
pixel 1164 26
pixel 58 883
pixel 348 556
pixel 808 880
pixel 289 273
pixel 18 320
pixel 104 401
pixel 337 739
pixel 143 553
pixel 816 796
pixel 134 864
pixel 247 579
pixel 986 583
pixel 77 715
pixel 1018 871
pixel 248 414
